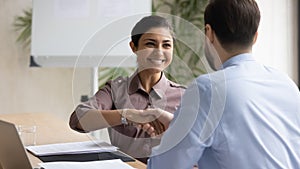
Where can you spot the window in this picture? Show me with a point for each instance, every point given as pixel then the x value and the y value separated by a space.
pixel 277 36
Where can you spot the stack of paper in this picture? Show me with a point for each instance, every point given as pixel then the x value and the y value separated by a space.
pixel 71 148
pixel 106 164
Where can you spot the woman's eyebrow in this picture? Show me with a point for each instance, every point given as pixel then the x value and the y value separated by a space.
pixel 153 40
pixel 149 39
pixel 167 40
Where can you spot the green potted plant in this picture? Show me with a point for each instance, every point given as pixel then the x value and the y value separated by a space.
pixel 191 11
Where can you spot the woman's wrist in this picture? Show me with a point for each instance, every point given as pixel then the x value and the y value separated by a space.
pixel 123 113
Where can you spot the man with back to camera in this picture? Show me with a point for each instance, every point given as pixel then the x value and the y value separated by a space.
pixel 246 115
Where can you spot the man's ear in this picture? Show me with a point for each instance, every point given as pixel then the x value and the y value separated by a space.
pixel 209 33
pixel 133 48
pixel 255 38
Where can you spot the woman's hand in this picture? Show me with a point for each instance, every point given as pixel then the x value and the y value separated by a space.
pixel 161 115
pixel 148 115
pixel 137 116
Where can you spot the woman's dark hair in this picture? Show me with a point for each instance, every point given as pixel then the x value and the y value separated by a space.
pixel 146 24
pixel 235 22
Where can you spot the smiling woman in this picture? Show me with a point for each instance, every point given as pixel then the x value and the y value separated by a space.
pixel 155 49
pixel 114 105
pixel 154 53
pixel 152 42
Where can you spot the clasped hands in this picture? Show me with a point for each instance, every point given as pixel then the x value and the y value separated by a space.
pixel 154 121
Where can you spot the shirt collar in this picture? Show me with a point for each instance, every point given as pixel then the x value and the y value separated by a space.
pixel 237 59
pixel 135 84
pixel 161 86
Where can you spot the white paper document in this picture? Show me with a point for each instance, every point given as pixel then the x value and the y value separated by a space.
pixel 71 148
pixel 106 164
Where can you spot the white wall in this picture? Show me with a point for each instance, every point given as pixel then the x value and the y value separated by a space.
pixel 277 36
pixel 24 89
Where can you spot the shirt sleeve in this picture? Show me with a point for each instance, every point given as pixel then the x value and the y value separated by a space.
pixel 102 100
pixel 183 144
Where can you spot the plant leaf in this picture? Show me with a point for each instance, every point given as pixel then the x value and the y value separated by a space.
pixel 22 24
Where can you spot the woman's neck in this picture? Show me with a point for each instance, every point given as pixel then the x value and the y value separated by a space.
pixel 149 79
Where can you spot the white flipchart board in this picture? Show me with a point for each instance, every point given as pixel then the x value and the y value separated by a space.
pixel 84 33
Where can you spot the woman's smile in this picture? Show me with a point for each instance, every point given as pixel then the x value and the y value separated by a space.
pixel 156 61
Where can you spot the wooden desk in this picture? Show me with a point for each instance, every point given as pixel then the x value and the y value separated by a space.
pixel 51 129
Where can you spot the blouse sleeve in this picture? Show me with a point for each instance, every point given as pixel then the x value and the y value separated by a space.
pixel 102 100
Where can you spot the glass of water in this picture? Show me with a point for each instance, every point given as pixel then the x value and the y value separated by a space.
pixel 27 134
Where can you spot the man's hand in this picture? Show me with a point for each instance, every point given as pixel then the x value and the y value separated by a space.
pixel 154 121
pixel 154 128
pixel 157 127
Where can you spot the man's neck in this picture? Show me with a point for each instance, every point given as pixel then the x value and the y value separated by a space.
pixel 224 56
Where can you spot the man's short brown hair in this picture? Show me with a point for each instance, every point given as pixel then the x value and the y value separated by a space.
pixel 235 22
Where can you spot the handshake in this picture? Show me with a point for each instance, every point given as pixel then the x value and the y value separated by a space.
pixel 154 120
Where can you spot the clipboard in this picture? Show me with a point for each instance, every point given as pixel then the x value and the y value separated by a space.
pixel 87 157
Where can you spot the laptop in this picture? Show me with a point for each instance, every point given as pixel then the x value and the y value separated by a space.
pixel 12 151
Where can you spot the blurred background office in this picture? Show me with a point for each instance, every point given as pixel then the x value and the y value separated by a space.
pixel 50 89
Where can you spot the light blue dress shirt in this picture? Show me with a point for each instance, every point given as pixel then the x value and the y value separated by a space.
pixel 244 116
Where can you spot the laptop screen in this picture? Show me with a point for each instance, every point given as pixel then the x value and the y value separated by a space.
pixel 12 151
